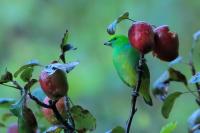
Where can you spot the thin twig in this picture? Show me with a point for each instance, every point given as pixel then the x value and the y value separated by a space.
pixel 193 69
pixel 135 93
pixel 10 86
pixel 52 105
pixel 59 117
pixel 38 101
pixel 18 86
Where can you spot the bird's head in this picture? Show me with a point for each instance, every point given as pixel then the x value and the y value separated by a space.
pixel 117 40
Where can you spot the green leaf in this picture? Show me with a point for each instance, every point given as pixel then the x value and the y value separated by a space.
pixel 65 47
pixel 27 74
pixel 24 67
pixel 30 84
pixel 169 128
pixel 122 17
pixel 16 108
pixel 27 121
pixel 145 85
pixel 5 116
pixel 54 129
pixel 39 93
pixel 6 77
pixel 168 103
pixel 175 75
pixel 2 125
pixel 64 39
pixel 117 129
pixel 6 102
pixel 83 119
pixel 195 79
pixel 68 47
pixel 111 29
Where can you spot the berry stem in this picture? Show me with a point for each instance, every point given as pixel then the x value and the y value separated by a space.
pixel 193 70
pixel 52 105
pixel 38 101
pixel 135 92
pixel 10 86
pixel 59 117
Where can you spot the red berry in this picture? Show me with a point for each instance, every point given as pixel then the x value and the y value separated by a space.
pixel 166 44
pixel 13 128
pixel 141 37
pixel 54 85
pixel 48 113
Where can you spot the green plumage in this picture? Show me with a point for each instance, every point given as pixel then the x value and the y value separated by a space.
pixel 125 60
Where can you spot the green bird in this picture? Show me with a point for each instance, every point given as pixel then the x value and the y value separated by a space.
pixel 125 60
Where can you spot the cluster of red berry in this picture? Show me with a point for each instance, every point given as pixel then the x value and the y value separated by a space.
pixel 160 40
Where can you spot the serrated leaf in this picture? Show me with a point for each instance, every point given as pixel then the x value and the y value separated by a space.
pixel 145 85
pixel 6 102
pixel 111 29
pixel 28 65
pixel 169 128
pixel 27 122
pixel 83 119
pixel 54 129
pixel 30 84
pixel 177 76
pixel 168 103
pixel 5 116
pixel 178 60
pixel 117 129
pixel 39 93
pixel 195 79
pixel 196 36
pixel 26 74
pixel 6 77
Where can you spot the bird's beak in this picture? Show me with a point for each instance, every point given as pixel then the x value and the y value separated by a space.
pixel 108 43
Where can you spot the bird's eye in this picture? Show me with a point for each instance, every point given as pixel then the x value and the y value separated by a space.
pixel 114 39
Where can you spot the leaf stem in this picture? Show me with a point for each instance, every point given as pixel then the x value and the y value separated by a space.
pixel 10 86
pixel 38 101
pixel 52 105
pixel 135 92
pixel 59 117
pixel 193 69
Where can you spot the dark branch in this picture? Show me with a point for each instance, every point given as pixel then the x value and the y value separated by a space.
pixel 10 86
pixel 193 70
pixel 135 93
pixel 52 105
pixel 38 101
pixel 59 117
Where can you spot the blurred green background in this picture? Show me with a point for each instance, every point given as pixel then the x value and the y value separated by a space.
pixel 33 29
